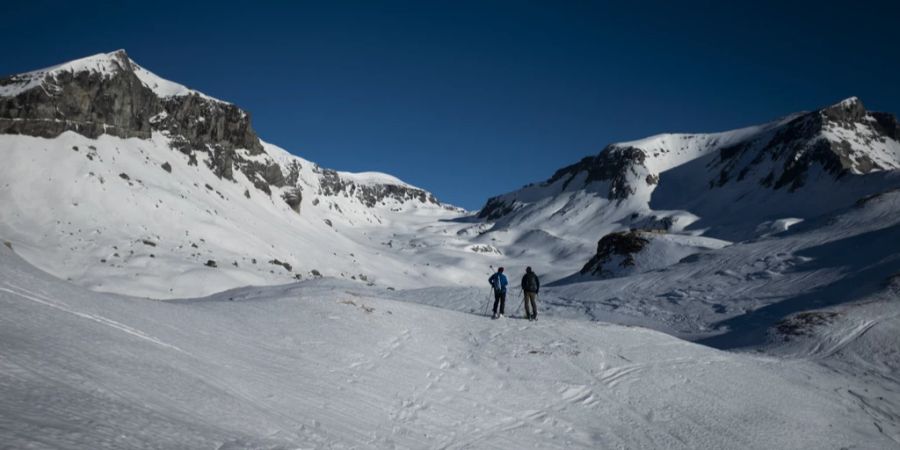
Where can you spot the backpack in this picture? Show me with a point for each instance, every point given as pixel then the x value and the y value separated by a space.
pixel 530 282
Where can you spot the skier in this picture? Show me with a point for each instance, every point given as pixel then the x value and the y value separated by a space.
pixel 498 283
pixel 530 287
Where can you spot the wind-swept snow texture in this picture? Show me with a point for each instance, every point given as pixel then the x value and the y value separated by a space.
pixel 329 364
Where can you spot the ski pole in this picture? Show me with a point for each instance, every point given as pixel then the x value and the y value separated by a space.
pixel 520 304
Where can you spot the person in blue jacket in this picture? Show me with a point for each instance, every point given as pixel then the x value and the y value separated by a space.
pixel 498 283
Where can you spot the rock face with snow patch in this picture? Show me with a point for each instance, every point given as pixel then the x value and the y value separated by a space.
pixel 617 166
pixel 106 97
pixel 842 139
pixel 110 94
pixel 371 194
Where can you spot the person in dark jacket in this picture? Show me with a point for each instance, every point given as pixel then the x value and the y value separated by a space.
pixel 499 282
pixel 531 285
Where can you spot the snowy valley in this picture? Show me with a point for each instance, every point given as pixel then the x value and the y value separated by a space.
pixel 169 279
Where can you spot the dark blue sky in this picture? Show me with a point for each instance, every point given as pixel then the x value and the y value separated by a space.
pixel 472 99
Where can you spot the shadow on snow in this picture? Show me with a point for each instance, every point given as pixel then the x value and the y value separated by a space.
pixel 868 260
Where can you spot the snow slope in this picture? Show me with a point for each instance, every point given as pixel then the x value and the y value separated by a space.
pixel 859 341
pixel 328 364
pixel 735 296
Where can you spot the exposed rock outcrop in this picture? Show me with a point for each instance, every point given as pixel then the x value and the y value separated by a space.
pixel 87 102
pixel 206 122
pixel 495 208
pixel 616 248
pixel 293 197
pixel 617 165
pixel 109 97
pixel 331 183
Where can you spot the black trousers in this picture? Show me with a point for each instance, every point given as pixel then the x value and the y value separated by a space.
pixel 499 299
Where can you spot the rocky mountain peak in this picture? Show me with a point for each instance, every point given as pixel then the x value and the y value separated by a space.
pixel 119 54
pixel 846 111
pixel 91 96
pixel 851 111
pixel 108 93
pixel 105 64
pixel 115 60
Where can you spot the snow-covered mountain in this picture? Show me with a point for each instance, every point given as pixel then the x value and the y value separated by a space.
pixel 122 181
pixel 731 186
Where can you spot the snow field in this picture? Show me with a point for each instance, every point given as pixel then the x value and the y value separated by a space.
pixel 331 364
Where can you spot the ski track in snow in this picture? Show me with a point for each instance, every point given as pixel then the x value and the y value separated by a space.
pixel 96 318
